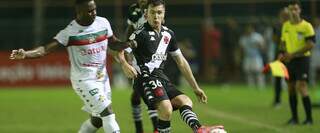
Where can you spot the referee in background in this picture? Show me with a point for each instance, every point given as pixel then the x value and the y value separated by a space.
pixel 297 40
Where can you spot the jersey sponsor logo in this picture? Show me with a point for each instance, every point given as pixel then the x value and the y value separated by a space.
pixel 92 51
pixel 159 57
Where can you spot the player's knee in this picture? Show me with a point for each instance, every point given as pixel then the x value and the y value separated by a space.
pixel 164 110
pixel 96 121
pixel 180 101
pixel 107 111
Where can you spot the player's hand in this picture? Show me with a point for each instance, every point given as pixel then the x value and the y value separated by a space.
pixel 17 54
pixel 129 71
pixel 201 95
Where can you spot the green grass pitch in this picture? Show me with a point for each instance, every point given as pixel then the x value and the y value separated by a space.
pixel 239 109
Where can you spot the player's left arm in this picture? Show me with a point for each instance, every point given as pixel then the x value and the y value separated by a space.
pixel 186 71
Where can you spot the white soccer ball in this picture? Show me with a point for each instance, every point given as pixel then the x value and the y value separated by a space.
pixel 218 130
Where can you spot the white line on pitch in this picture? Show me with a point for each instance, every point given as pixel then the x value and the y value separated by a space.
pixel 217 113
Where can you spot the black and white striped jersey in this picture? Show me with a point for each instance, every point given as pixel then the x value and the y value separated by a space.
pixel 153 48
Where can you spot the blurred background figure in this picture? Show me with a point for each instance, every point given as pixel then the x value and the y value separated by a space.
pixel 315 61
pixel 211 37
pixel 252 43
pixel 283 16
pixel 230 50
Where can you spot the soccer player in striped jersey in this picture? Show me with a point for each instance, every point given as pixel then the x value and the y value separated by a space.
pixel 154 41
pixel 136 19
pixel 87 39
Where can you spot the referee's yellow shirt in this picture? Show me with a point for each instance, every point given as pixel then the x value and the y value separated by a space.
pixel 294 35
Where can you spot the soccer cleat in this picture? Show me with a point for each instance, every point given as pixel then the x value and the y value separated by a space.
pixel 155 131
pixel 211 129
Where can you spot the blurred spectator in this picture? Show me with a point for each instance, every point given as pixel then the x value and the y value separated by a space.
pixel 229 55
pixel 210 50
pixel 252 43
pixel 278 81
pixel 315 62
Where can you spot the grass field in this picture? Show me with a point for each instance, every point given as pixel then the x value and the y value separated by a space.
pixel 240 110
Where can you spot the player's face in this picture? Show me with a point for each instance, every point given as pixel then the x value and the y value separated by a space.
pixel 155 16
pixel 86 13
pixel 294 10
pixel 143 3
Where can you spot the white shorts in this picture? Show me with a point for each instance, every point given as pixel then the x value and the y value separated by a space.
pixel 96 95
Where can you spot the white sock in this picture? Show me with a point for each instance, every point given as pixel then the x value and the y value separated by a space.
pixel 87 127
pixel 110 124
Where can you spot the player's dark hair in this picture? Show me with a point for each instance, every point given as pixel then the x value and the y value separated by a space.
pixel 156 2
pixel 79 2
pixel 295 2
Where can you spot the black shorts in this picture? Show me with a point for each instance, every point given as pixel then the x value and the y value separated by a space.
pixel 298 68
pixel 168 91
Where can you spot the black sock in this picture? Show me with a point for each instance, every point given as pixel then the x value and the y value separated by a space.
pixel 164 126
pixel 189 117
pixel 293 106
pixel 136 112
pixel 307 107
pixel 153 115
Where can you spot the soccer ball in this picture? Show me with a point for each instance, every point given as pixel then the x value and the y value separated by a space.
pixel 218 130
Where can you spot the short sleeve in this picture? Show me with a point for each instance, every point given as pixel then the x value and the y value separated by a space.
pixel 173 46
pixel 62 37
pixel 309 30
pixel 109 29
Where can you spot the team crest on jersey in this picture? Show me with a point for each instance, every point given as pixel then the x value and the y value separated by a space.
pixel 152 38
pixel 166 40
pixel 92 39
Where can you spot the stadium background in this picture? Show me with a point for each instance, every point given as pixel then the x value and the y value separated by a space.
pixel 36 97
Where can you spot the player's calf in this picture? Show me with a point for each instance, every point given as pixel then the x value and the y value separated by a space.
pixel 109 122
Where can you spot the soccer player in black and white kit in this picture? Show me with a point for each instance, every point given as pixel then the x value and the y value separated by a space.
pixel 136 19
pixel 153 42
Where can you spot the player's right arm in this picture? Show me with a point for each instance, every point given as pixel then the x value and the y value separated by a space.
pixel 34 53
